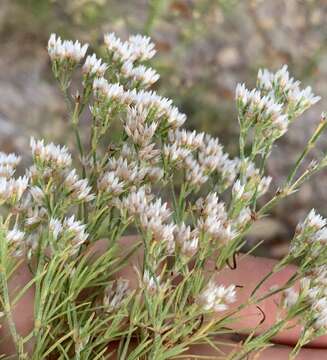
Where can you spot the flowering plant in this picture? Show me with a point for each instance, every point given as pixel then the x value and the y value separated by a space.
pixel 56 215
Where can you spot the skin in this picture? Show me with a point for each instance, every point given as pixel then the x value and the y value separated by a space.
pixel 248 273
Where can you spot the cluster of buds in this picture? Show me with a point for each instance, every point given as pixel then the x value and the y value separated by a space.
pixel 310 237
pixel 108 92
pixel 8 164
pixel 151 282
pixel 141 75
pixel 201 156
pixel 77 188
pixel 65 55
pixel 130 172
pixel 66 50
pixel 251 183
pixel 115 293
pixel 187 239
pixel 287 90
pixel 137 48
pixel 262 112
pixel 94 66
pixel 153 217
pixel 11 189
pixel 139 127
pixel 50 155
pixel 110 183
pixel 70 231
pixel 213 219
pixel 217 298
pixel 277 102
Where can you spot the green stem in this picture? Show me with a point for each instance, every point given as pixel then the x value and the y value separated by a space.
pixel 310 145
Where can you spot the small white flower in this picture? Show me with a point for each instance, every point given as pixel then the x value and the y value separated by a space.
pixel 141 74
pixel 187 239
pixel 238 189
pixel 115 294
pixel 51 155
pixel 111 184
pixel 65 50
pixel 243 218
pixel 13 189
pixel 315 220
pixel 11 160
pixel 175 118
pixel 15 236
pixel 121 51
pixel 79 189
pixel 264 185
pixel 111 92
pixel 216 297
pixel 75 230
pixel 184 138
pixel 174 153
pixel 56 228
pixel 94 66
pixel 195 174
pixel 151 282
pixel 141 47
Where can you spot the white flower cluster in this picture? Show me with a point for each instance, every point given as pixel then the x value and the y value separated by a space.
pixel 51 155
pixel 187 239
pixel 213 219
pixel 130 173
pixel 66 50
pixel 137 48
pixel 11 189
pixel 70 230
pixel 153 216
pixel 77 188
pixel 310 236
pixel 115 293
pixel 110 183
pixel 276 102
pixel 282 84
pixel 252 182
pixel 94 66
pixel 162 107
pixel 216 297
pixel 8 164
pixel 142 75
pixel 111 92
pixel 151 282
pixel 129 54
pixel 137 128
pixel 201 156
pixel 263 111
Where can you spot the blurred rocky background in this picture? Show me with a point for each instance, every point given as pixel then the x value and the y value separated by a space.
pixel 204 48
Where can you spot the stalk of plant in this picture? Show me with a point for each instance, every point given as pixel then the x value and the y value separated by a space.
pixel 56 212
